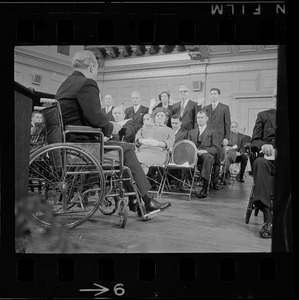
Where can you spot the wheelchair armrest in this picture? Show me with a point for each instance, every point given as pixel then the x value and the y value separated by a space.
pixel 83 129
pixel 111 148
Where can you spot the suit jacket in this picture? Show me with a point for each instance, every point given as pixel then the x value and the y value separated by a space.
pixel 240 143
pixel 247 138
pixel 136 117
pixel 219 120
pixel 264 129
pixel 181 135
pixel 189 120
pixel 126 134
pixel 80 103
pixel 209 139
pixel 109 114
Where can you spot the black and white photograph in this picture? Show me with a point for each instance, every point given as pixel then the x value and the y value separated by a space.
pixel 146 148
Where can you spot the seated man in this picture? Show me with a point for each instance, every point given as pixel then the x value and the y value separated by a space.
pixel 37 122
pixel 127 131
pixel 176 124
pixel 206 139
pixel 263 141
pixel 78 96
pixel 235 152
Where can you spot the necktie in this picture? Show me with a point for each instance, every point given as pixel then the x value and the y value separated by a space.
pixel 214 106
pixel 135 109
pixel 107 110
pixel 182 107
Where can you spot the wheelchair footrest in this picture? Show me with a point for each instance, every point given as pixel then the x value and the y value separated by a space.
pixel 151 215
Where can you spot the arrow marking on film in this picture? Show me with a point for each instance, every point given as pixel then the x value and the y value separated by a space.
pixel 101 290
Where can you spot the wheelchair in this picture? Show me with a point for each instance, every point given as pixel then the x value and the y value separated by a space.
pixel 75 180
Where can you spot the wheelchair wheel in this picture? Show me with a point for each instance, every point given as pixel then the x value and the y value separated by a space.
pixel 108 205
pixel 71 185
pixel 122 212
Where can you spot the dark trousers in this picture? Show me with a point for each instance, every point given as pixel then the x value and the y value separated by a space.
pixel 130 161
pixel 263 172
pixel 242 159
pixel 205 160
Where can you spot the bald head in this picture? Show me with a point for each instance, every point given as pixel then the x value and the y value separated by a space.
pixel 118 113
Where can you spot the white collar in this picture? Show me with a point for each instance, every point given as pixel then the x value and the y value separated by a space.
pixel 202 128
pixel 136 107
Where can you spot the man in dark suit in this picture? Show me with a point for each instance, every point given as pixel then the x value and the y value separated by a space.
pixel 127 131
pixel 263 142
pixel 78 96
pixel 219 119
pixel 136 111
pixel 107 110
pixel 206 139
pixel 186 109
pixel 235 152
pixel 242 130
pixel 176 124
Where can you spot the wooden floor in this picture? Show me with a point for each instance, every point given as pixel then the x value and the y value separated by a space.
pixel 209 225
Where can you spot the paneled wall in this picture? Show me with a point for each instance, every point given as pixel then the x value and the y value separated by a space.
pixel 246 81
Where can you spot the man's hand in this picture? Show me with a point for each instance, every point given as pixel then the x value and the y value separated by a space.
pixel 225 142
pixel 267 149
pixel 152 103
pixel 200 101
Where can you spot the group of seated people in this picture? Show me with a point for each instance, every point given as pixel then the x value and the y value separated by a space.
pixel 146 134
pixel 160 130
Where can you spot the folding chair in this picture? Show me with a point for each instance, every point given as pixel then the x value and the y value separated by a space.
pixel 156 179
pixel 184 158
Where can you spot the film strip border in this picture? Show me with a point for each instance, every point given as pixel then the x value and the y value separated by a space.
pixel 171 23
pixel 157 276
pixel 153 275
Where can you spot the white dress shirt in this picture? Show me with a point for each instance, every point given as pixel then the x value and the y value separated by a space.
pixel 201 129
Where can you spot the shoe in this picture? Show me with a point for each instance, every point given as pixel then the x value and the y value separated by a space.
pixel 161 206
pixel 153 206
pixel 216 186
pixel 240 179
pixel 203 193
pixel 133 205
pixel 266 231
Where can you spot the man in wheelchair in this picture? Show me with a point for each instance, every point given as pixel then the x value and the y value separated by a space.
pixel 80 104
pixel 263 167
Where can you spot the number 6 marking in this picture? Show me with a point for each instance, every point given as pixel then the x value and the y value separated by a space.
pixel 118 290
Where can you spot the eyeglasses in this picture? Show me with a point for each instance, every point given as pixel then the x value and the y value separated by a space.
pixel 183 91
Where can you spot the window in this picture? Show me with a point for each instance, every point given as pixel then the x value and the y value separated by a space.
pixel 65 50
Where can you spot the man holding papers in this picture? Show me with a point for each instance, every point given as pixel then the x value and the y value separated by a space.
pixel 263 141
pixel 206 139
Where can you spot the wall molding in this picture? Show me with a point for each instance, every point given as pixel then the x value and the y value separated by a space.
pixel 147 69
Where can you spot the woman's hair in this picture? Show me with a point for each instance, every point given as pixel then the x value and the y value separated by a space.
pixel 164 92
pixel 83 59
